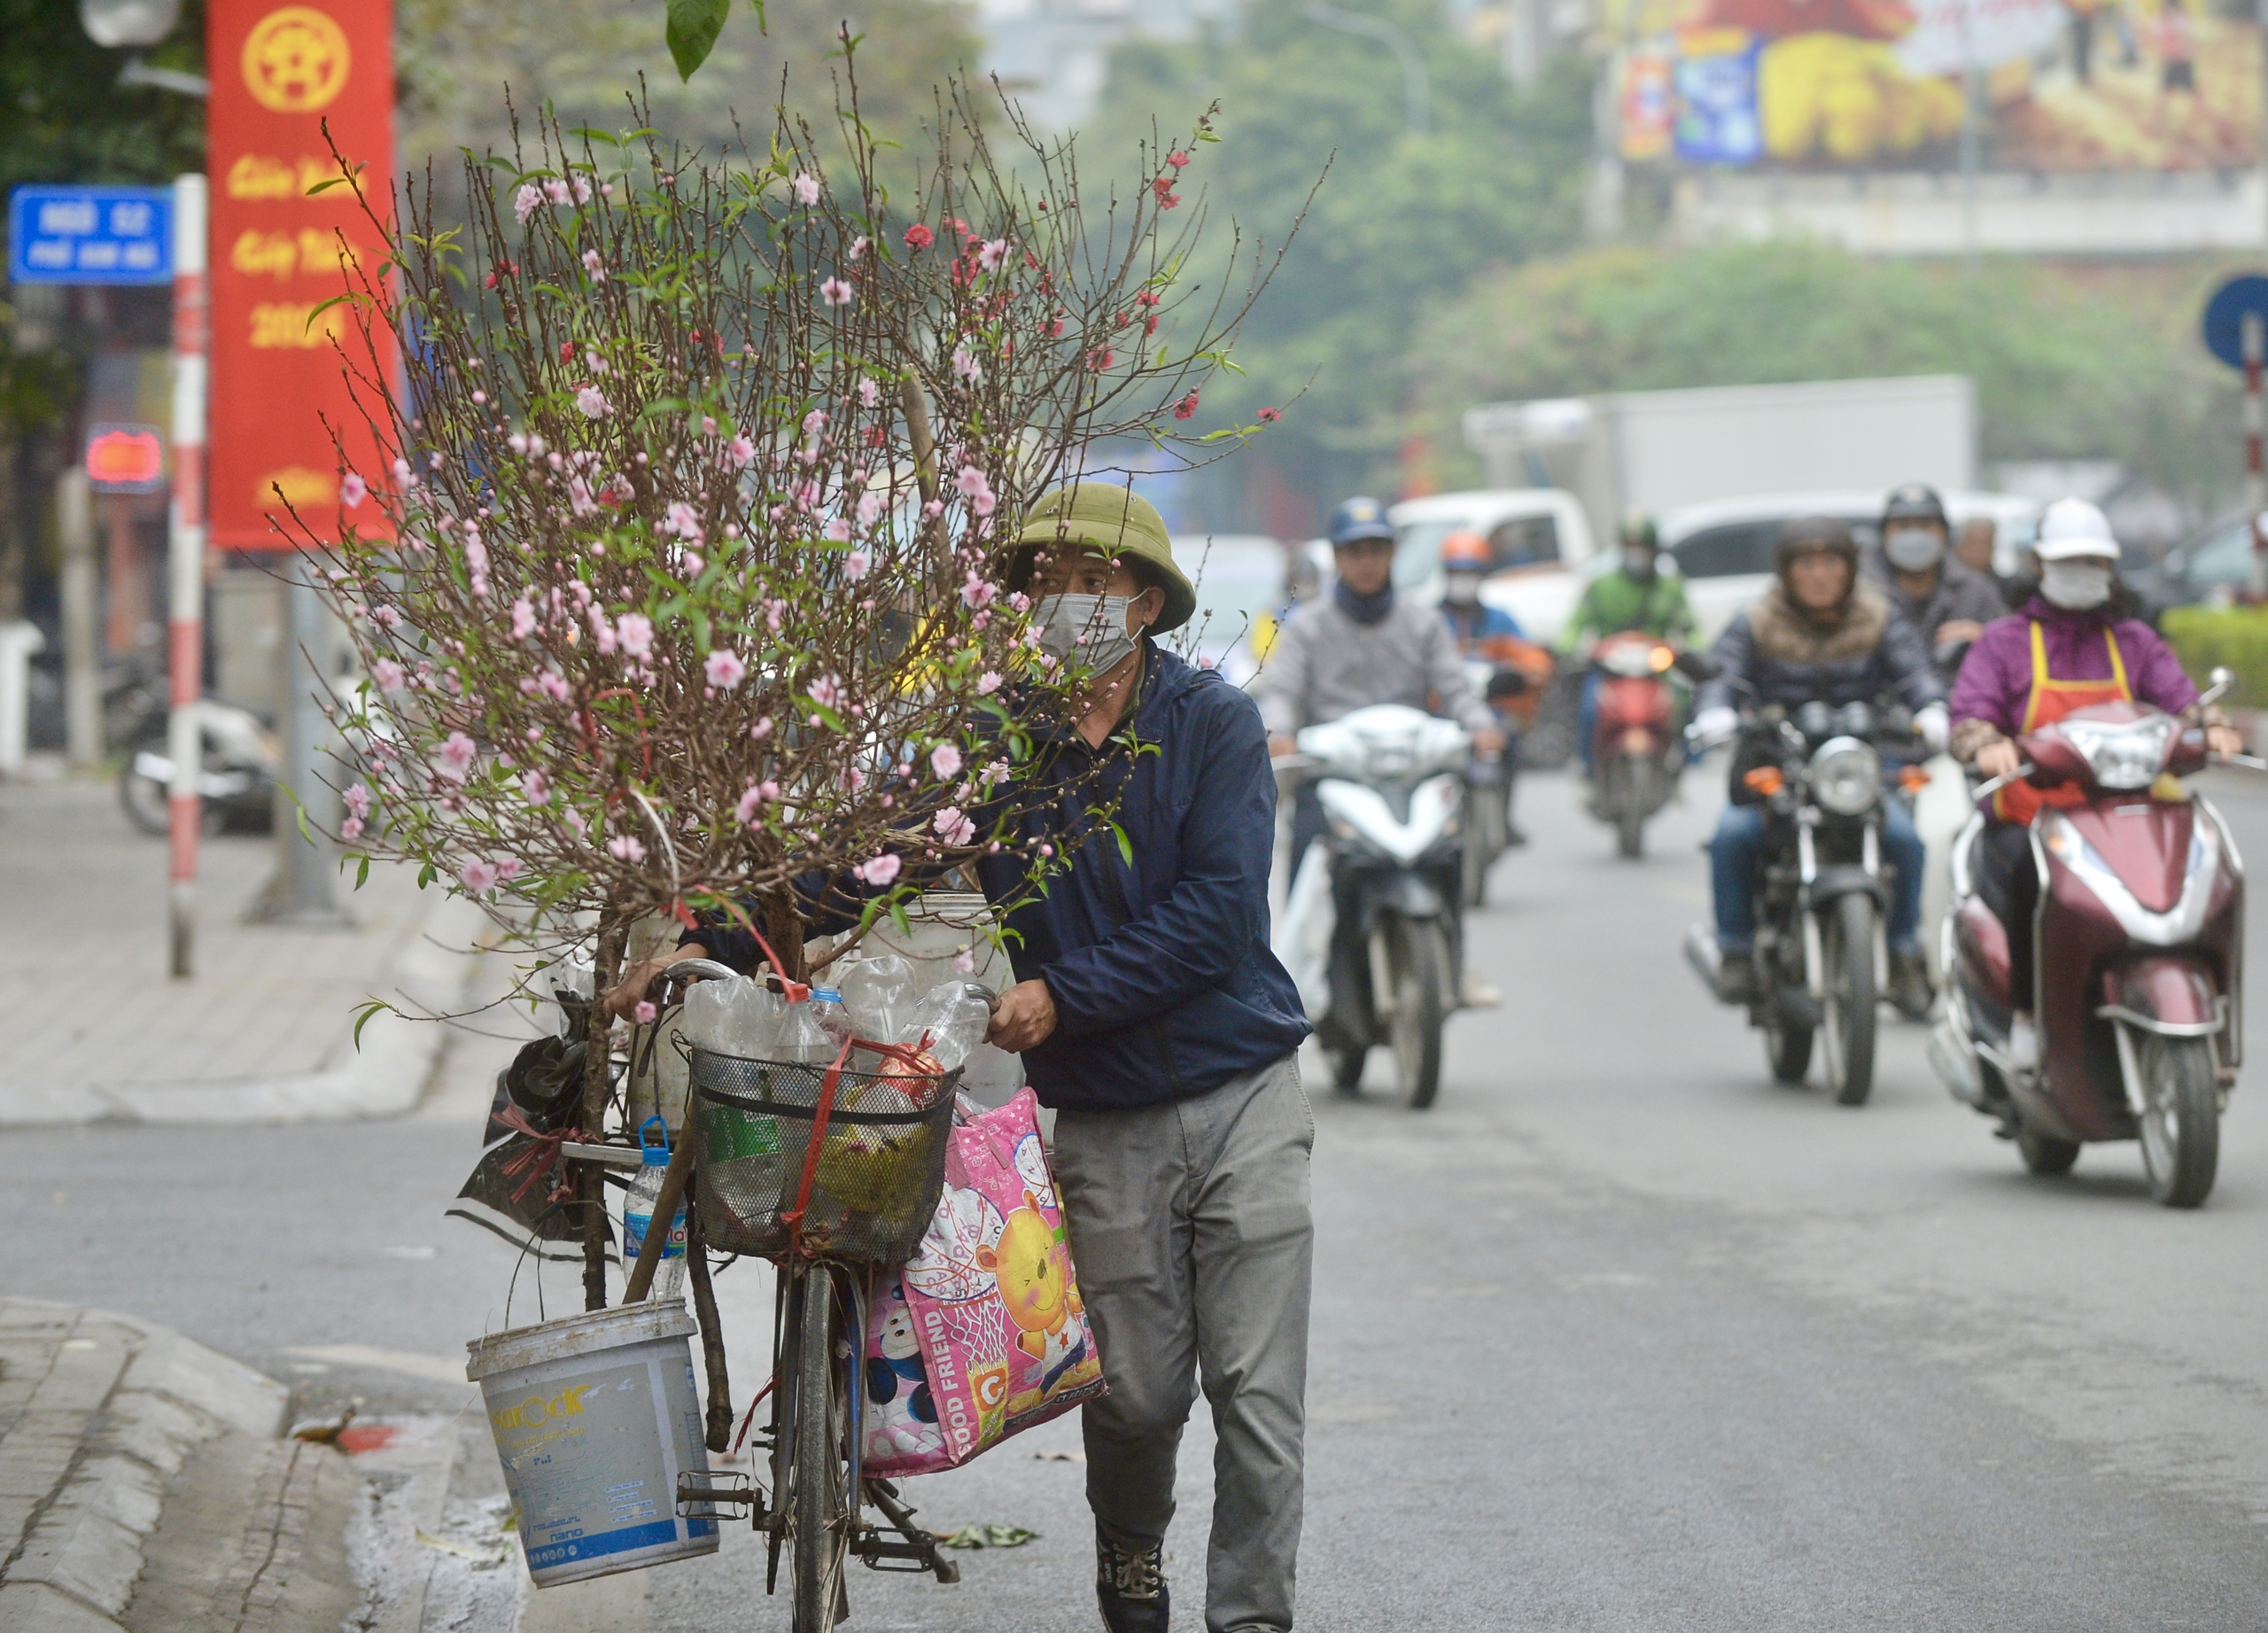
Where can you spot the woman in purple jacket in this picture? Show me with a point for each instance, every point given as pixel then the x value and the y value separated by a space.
pixel 2064 649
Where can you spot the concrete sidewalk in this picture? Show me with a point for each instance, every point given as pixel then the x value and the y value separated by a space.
pixel 98 1030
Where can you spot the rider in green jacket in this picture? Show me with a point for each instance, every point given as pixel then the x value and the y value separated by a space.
pixel 1634 595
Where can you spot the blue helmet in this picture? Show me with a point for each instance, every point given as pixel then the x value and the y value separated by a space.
pixel 1359 519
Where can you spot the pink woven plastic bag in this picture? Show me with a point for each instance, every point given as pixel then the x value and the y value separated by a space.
pixel 982 1334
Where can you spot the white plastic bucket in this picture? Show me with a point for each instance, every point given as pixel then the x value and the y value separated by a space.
pixel 595 1417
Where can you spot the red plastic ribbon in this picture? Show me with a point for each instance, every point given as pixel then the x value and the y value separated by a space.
pixel 905 1054
pixel 539 1156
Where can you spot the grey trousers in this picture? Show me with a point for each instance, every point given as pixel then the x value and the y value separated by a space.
pixel 1194 1243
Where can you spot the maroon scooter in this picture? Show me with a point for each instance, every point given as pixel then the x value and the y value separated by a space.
pixel 2139 957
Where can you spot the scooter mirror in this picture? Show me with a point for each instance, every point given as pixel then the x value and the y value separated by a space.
pixel 2222 679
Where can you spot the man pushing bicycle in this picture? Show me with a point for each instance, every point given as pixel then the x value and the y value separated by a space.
pixel 1154 1019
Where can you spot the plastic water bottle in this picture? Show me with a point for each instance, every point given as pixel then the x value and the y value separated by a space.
pixel 879 993
pixel 827 1008
pixel 956 1015
pixel 638 1215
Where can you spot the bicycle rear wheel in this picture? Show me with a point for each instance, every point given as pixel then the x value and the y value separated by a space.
pixel 819 1498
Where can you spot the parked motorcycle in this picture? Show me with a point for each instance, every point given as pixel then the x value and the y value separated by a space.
pixel 1821 961
pixel 1374 903
pixel 236 780
pixel 1635 747
pixel 2137 960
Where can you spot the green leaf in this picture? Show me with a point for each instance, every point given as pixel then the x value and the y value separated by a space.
pixel 1125 845
pixel 325 187
pixel 363 1012
pixel 363 872
pixel 692 29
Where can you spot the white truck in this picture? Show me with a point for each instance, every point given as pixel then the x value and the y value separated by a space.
pixel 1690 459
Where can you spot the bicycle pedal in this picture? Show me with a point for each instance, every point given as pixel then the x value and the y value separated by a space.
pixel 711 1489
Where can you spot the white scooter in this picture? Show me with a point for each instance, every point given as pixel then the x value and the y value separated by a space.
pixel 1369 930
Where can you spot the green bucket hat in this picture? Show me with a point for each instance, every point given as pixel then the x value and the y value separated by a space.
pixel 1106 517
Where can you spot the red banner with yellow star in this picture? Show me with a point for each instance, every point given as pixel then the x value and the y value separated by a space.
pixel 289 83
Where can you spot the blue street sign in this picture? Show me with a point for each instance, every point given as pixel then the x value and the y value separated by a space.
pixel 2226 312
pixel 91 234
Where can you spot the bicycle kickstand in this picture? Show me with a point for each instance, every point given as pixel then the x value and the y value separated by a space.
pixel 918 1547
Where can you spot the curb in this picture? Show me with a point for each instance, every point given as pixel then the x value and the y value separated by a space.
pixel 383 1078
pixel 98 1414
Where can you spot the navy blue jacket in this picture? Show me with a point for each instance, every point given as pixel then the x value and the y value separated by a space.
pixel 1163 983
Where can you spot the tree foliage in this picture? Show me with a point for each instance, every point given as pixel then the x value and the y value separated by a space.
pixel 2068 362
pixel 1402 222
pixel 584 58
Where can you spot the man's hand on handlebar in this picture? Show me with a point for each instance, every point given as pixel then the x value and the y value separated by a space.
pixel 1023 1018
pixel 2223 740
pixel 626 994
pixel 1488 740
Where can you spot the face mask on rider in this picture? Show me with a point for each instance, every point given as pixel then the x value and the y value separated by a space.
pixel 1461 588
pixel 1089 630
pixel 1637 561
pixel 2075 585
pixel 1914 549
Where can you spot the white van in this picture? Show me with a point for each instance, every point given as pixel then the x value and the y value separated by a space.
pixel 1725 547
pixel 1539 537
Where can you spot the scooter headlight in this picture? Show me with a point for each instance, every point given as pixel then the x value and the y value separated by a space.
pixel 2122 756
pixel 1845 776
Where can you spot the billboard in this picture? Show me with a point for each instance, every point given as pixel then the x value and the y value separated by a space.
pixel 288 82
pixel 2067 85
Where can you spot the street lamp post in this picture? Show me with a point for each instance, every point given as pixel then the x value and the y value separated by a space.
pixel 1415 87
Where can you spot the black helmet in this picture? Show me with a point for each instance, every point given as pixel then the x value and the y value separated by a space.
pixel 1915 501
pixel 1358 519
pixel 1807 533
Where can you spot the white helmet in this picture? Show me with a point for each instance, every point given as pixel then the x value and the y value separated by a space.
pixel 2072 527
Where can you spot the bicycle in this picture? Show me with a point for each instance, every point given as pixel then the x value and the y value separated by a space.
pixel 876 1139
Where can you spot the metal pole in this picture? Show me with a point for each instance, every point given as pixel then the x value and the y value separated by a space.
pixel 299 890
pixel 2255 473
pixel 185 565
pixel 1417 87
pixel 83 672
pixel 1972 94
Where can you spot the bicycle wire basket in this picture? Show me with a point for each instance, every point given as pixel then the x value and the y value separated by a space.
pixel 879 1169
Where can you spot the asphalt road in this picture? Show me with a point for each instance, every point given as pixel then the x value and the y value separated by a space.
pixel 1619 1335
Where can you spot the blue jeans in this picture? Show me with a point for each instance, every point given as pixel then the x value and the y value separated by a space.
pixel 1587 723
pixel 1736 854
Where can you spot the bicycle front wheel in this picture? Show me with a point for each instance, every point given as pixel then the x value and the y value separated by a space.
pixel 819 1502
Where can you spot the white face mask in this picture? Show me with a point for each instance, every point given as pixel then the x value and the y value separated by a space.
pixel 1914 549
pixel 2075 585
pixel 1637 562
pixel 1090 631
pixel 1463 588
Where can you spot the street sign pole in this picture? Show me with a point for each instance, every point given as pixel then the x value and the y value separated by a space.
pixel 2236 331
pixel 186 566
pixel 2256 474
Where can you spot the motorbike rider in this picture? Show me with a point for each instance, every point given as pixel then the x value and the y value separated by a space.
pixel 1360 645
pixel 2067 647
pixel 1819 632
pixel 1947 602
pixel 1465 561
pixel 1633 594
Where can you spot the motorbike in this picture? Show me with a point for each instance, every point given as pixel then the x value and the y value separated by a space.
pixel 1511 675
pixel 1635 747
pixel 2138 964
pixel 236 780
pixel 1374 903
pixel 1821 957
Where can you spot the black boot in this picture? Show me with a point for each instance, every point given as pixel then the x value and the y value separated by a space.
pixel 1736 978
pixel 1909 983
pixel 1130 1587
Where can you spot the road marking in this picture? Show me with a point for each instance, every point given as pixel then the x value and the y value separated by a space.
pixel 434 1368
